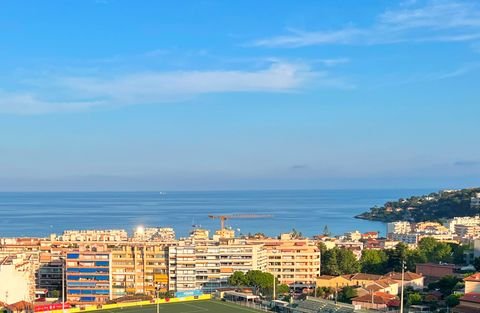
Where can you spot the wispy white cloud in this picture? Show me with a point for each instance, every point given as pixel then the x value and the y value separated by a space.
pixel 28 103
pixel 334 61
pixel 73 93
pixel 435 20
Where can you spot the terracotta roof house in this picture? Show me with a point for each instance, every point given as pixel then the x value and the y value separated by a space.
pixel 362 279
pixel 414 280
pixel 469 303
pixel 382 285
pixel 375 301
pixel 472 283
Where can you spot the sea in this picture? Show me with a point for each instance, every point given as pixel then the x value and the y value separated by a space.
pixel 25 214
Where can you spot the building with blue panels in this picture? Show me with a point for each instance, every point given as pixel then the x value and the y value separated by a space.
pixel 88 277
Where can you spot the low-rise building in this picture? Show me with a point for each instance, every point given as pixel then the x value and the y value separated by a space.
pixel 414 280
pixel 469 303
pixel 379 301
pixel 355 246
pixel 434 271
pixel 472 283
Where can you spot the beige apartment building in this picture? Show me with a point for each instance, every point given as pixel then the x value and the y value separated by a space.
pixel 139 267
pixel 292 260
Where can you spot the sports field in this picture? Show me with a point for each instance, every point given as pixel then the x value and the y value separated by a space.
pixel 211 306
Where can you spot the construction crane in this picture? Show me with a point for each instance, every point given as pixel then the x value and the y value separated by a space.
pixel 223 218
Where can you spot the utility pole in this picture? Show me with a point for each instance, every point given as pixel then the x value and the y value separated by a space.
pixel 157 289
pixel 274 283
pixel 403 280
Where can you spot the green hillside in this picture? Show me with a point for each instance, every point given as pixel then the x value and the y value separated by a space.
pixel 434 206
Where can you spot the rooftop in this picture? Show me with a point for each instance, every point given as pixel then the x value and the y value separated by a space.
pixel 471 297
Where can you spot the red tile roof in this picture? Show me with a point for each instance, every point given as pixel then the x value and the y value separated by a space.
pixel 471 297
pixel 378 298
pixel 408 276
pixel 21 306
pixel 464 309
pixel 363 276
pixel 474 277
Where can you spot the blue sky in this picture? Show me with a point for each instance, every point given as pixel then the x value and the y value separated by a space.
pixel 150 95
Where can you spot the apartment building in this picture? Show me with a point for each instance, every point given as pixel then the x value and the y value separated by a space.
pixel 139 267
pixel 154 234
pixel 464 220
pixel 467 231
pixel 430 228
pixel 398 228
pixel 353 235
pixel 17 278
pixel 104 235
pixel 292 260
pixel 88 277
pixel 49 273
pixel 206 264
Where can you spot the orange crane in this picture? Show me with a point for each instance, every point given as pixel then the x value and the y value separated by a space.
pixel 223 218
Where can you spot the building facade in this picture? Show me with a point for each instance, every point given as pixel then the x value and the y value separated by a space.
pixel 88 277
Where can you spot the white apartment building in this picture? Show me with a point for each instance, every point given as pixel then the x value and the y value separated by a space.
pixel 410 238
pixel 105 235
pixel 465 220
pixel 207 264
pixel 17 279
pixel 154 234
pixel 353 235
pixel 399 228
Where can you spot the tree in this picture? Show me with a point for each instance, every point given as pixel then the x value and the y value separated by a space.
pixel 445 284
pixel 346 294
pixel 459 253
pixel 435 251
pixel 326 231
pixel 329 262
pixel 283 289
pixel 414 256
pixel 347 261
pixel 452 300
pixel 55 293
pixel 260 280
pixel 237 279
pixel 373 261
pixel 296 234
pixel 396 256
pixel 414 298
pixel 319 292
pixel 476 263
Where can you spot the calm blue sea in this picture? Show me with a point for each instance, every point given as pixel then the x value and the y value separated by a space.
pixel 308 211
